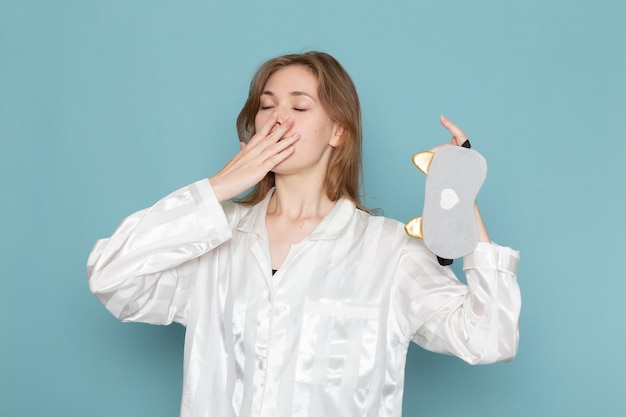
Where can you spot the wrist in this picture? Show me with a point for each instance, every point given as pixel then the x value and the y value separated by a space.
pixel 218 189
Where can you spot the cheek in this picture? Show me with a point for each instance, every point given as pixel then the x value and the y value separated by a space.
pixel 259 119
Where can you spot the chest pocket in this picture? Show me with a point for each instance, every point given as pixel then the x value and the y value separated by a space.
pixel 337 343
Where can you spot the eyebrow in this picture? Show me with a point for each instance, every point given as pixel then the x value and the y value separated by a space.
pixel 293 94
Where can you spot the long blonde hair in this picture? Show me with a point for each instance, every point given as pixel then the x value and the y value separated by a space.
pixel 339 99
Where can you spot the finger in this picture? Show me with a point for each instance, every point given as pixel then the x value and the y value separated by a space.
pixel 269 124
pixel 281 130
pixel 273 132
pixel 280 151
pixel 282 145
pixel 458 136
pixel 262 152
pixel 285 145
pixel 266 127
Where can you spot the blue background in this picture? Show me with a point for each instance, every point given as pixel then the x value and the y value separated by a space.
pixel 106 106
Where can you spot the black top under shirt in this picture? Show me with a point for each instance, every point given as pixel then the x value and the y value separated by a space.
pixel 274 271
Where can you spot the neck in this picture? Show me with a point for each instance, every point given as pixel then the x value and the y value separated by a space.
pixel 296 199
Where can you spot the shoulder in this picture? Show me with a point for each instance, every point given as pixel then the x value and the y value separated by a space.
pixel 391 228
pixel 373 220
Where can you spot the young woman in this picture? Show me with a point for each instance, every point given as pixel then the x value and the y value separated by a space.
pixel 297 301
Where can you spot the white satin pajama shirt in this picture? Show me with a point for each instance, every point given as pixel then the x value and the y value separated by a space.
pixel 327 335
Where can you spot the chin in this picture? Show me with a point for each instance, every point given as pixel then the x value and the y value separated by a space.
pixel 285 167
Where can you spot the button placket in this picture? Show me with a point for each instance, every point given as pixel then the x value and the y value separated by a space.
pixel 263 347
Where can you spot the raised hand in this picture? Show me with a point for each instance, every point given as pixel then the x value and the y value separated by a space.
pixel 458 139
pixel 267 148
pixel 458 136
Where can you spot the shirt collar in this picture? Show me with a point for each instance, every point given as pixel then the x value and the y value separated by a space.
pixel 332 225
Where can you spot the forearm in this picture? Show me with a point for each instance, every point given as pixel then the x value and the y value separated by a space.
pixel 477 322
pixel 483 235
pixel 495 302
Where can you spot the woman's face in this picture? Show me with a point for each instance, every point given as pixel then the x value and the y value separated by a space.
pixel 291 92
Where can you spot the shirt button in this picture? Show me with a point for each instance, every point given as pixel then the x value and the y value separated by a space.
pixel 262 364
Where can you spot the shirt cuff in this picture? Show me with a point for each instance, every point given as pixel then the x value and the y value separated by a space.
pixel 492 256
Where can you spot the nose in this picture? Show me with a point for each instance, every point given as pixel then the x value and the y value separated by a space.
pixel 281 119
pixel 278 123
pixel 283 114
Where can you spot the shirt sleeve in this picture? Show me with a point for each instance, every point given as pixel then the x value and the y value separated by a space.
pixel 147 269
pixel 477 321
